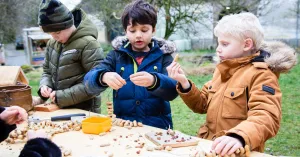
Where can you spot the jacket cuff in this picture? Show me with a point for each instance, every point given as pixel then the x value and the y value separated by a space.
pixel 40 147
pixel 5 129
pixel 237 137
pixel 100 82
pixel 240 134
pixel 184 91
pixel 1 109
pixel 156 83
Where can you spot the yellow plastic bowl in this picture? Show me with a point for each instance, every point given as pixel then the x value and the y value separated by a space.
pixel 96 125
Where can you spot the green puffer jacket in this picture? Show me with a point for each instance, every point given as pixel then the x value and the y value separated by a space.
pixel 66 65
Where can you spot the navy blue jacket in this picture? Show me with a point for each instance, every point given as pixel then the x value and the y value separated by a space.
pixel 132 102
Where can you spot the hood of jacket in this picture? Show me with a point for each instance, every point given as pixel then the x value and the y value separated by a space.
pixel 167 47
pixel 280 58
pixel 84 26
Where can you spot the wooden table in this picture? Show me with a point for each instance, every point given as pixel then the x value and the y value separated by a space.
pixel 86 145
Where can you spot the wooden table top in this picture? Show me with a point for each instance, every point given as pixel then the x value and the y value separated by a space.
pixel 121 140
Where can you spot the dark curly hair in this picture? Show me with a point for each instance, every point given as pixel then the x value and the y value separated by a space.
pixel 139 12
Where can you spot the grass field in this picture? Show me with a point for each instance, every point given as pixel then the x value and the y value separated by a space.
pixel 287 141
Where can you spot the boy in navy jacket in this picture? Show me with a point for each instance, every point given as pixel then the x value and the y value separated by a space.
pixel 136 70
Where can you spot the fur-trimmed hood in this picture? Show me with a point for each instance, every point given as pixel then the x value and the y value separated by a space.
pixel 282 57
pixel 167 47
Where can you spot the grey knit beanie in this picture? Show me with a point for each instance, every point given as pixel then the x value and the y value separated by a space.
pixel 54 16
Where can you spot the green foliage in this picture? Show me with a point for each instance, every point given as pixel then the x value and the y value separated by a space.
pixel 27 68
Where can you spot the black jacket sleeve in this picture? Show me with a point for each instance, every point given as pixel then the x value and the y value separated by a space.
pixel 40 147
pixel 5 129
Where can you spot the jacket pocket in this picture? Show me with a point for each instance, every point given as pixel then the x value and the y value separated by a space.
pixel 235 103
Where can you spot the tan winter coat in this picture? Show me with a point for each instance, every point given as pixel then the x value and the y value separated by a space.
pixel 243 96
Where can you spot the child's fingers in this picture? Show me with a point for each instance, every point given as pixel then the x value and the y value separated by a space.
pixel 120 80
pixel 11 116
pixel 44 91
pixel 216 142
pixel 49 90
pixel 52 96
pixel 227 147
pixel 53 99
pixel 220 146
pixel 172 64
pixel 20 117
pixel 20 121
pixel 175 69
pixel 115 84
pixel 12 113
pixel 234 148
pixel 171 67
pixel 139 83
pixel 139 74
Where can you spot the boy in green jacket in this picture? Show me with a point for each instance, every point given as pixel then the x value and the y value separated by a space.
pixel 73 51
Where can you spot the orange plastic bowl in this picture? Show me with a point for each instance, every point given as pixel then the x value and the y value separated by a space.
pixel 96 125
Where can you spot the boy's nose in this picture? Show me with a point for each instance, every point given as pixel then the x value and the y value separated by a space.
pixel 218 49
pixel 138 34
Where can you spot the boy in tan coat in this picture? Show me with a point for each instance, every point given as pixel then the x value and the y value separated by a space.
pixel 243 99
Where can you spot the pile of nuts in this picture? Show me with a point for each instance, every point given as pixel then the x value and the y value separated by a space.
pixel 110 110
pixel 17 136
pixel 120 122
pixel 51 128
pixel 126 123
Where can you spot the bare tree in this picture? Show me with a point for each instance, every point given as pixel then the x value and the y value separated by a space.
pixel 180 14
pixel 15 15
pixel 226 7
pixel 109 11
pixel 295 12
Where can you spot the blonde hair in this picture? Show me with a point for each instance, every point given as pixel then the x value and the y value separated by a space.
pixel 241 26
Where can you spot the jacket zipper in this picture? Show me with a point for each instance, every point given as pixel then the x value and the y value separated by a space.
pixel 121 73
pixel 155 68
pixel 56 77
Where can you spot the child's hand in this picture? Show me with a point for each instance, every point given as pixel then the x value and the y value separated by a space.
pixel 46 91
pixel 31 134
pixel 52 96
pixel 143 79
pixel 13 115
pixel 113 80
pixel 175 72
pixel 226 145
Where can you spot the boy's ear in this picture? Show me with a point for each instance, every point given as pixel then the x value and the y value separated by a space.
pixel 154 29
pixel 248 44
